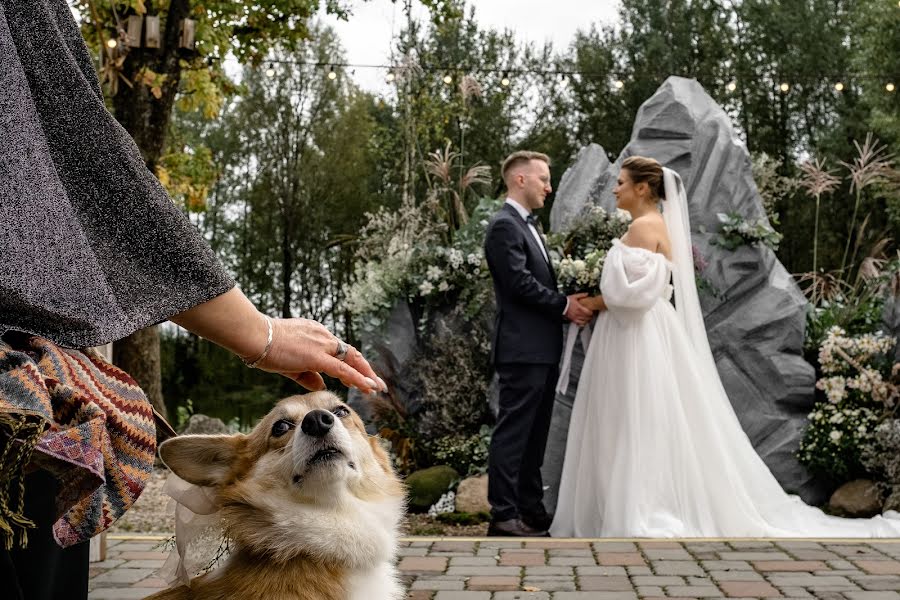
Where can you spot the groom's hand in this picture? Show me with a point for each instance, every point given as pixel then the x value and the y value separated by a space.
pixel 576 312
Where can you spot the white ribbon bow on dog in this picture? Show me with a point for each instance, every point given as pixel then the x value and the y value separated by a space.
pixel 198 530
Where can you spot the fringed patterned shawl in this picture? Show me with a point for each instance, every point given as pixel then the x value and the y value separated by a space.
pixel 83 420
pixel 91 250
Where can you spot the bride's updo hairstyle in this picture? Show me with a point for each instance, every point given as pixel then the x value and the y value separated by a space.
pixel 642 169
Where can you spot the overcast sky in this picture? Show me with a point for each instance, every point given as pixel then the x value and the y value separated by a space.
pixel 368 34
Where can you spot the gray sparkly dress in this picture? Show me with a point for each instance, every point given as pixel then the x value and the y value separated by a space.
pixel 91 246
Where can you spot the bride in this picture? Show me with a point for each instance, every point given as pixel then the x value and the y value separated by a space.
pixel 655 448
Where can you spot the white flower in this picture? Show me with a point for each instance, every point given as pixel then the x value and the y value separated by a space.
pixel 426 288
pixel 835 436
pixel 443 286
pixel 434 273
pixel 456 258
pixel 474 260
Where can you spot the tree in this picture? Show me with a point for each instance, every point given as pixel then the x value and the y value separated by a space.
pixel 145 84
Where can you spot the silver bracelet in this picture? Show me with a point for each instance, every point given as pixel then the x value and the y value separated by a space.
pixel 265 351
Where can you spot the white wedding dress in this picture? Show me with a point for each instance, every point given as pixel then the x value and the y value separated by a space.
pixel 655 448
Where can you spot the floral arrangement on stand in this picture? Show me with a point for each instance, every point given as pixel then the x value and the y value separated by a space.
pixel 405 255
pixel 861 386
pixel 437 412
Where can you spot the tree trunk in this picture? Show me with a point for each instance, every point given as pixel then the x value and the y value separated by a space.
pixel 147 119
pixel 138 355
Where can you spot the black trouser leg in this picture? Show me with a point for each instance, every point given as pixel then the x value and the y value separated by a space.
pixel 519 422
pixel 43 570
pixel 531 485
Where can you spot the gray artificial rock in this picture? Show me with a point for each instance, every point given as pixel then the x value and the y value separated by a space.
pixel 580 185
pixel 201 424
pixel 756 323
pixel 891 320
pixel 388 354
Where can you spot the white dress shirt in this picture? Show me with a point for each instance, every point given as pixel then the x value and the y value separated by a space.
pixel 524 212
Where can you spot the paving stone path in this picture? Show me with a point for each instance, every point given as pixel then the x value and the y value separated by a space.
pixel 509 569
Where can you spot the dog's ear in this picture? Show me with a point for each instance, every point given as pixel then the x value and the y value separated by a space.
pixel 201 459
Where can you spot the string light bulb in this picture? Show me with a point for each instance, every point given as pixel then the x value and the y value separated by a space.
pixel 619 84
pixel 390 77
pixel 505 81
pixel 784 87
pixel 270 72
pixel 448 79
pixel 331 74
pixel 839 86
pixel 732 86
pixel 890 87
pixel 112 43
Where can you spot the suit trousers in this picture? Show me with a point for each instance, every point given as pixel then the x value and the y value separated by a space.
pixel 527 392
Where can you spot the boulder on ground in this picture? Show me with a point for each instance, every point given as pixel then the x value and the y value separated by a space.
pixel 859 498
pixel 426 486
pixel 471 495
pixel 201 424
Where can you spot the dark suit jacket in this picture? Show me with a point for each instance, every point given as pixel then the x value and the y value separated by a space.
pixel 530 310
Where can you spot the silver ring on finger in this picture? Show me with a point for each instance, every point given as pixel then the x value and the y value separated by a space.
pixel 342 349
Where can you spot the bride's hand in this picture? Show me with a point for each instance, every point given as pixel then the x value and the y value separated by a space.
pixel 594 303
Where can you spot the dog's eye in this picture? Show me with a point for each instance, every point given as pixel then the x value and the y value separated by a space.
pixel 341 411
pixel 281 427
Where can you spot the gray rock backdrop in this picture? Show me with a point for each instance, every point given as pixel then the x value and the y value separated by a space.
pixel 756 324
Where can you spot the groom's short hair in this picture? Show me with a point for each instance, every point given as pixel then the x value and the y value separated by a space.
pixel 521 157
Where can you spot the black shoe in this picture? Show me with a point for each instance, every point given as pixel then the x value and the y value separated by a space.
pixel 540 521
pixel 514 528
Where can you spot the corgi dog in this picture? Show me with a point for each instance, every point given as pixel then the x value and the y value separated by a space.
pixel 309 501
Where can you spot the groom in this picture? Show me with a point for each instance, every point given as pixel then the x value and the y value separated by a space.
pixel 526 348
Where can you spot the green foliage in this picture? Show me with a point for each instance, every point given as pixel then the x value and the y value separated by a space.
pixel 833 443
pixel 183 413
pixel 737 231
pixel 468 454
pixel 464 518
pixel 594 230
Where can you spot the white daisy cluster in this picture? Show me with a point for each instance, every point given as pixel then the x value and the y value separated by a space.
pixel 835 435
pixel 451 268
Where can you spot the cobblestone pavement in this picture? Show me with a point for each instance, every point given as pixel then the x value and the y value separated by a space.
pixel 509 569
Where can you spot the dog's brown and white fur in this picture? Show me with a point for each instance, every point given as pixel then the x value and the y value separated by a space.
pixel 312 516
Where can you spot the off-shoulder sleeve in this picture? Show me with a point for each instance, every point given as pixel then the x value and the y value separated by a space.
pixel 91 246
pixel 633 280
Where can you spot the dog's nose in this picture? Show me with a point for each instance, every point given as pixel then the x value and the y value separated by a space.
pixel 317 423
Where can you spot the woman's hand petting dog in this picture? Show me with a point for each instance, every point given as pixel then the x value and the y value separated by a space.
pixel 299 349
pixel 306 343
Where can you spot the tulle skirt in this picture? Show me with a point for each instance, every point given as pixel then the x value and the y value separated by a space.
pixel 655 449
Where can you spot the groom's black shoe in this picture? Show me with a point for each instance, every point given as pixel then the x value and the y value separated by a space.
pixel 514 528
pixel 540 521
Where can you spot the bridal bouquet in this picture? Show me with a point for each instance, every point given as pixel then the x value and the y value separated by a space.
pixel 580 274
pixel 579 252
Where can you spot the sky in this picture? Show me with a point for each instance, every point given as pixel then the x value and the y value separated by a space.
pixel 367 36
